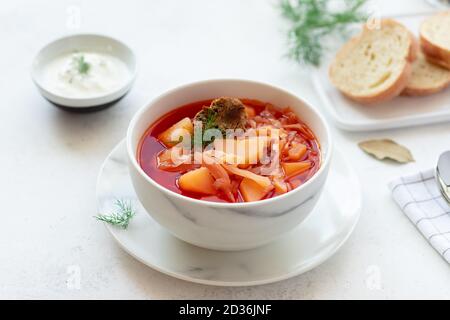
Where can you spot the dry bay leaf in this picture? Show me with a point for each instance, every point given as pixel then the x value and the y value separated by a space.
pixel 386 149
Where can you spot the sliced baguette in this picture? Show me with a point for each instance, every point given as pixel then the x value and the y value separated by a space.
pixel 435 38
pixel 438 62
pixel 375 65
pixel 427 78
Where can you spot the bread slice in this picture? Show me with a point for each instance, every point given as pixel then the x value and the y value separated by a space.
pixel 427 78
pixel 375 65
pixel 435 38
pixel 438 62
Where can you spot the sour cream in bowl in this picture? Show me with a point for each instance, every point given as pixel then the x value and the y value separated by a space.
pixel 84 71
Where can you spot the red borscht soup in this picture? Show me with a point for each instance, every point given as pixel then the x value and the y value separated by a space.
pixel 229 150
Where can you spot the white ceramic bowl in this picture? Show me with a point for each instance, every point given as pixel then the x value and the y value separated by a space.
pixel 227 226
pixel 83 42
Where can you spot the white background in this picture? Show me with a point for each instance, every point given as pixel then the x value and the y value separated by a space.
pixel 50 158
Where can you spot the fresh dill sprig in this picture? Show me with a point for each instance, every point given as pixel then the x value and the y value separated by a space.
pixel 121 217
pixel 312 20
pixel 81 64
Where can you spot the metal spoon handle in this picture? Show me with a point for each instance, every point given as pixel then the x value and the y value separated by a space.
pixel 443 175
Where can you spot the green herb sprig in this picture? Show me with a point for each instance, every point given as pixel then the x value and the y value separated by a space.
pixel 82 66
pixel 120 218
pixel 312 21
pixel 208 118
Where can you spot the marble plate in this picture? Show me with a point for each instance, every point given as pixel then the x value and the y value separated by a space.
pixel 307 246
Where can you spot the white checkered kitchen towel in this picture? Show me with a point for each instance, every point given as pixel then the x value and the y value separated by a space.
pixel 419 198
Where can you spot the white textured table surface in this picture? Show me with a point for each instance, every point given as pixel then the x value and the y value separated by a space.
pixel 50 158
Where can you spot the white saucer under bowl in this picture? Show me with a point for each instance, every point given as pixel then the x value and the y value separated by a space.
pixel 307 246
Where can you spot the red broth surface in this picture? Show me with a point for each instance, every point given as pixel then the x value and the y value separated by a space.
pixel 150 147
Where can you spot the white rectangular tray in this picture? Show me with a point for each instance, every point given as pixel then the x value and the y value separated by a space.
pixel 397 113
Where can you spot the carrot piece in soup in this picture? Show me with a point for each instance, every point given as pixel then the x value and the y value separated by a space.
pixel 280 185
pixel 297 152
pixel 198 180
pixel 250 111
pixel 282 145
pixel 252 191
pixel 294 168
pixel 172 136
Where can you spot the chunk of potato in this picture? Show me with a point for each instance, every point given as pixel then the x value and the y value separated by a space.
pixel 293 168
pixel 178 131
pixel 252 191
pixel 242 151
pixel 198 180
pixel 297 151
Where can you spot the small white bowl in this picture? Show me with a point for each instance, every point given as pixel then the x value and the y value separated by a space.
pixel 83 42
pixel 227 226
